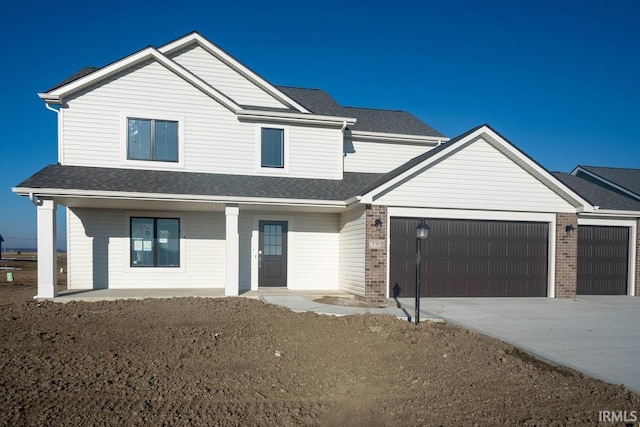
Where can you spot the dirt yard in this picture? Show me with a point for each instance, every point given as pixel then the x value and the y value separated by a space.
pixel 236 361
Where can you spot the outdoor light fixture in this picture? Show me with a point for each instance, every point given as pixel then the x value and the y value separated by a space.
pixel 378 224
pixel 422 231
pixel 569 228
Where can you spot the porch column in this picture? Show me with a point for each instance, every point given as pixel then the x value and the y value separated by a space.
pixel 47 254
pixel 232 282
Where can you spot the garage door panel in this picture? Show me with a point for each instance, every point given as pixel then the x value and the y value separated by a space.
pixel 470 258
pixel 603 260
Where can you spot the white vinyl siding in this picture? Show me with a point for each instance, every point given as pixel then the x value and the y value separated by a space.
pixel 378 157
pixel 213 140
pixel 99 242
pixel 352 251
pixel 478 177
pixel 222 77
pixel 314 242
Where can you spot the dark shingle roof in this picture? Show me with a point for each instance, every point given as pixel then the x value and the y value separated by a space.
pixel 597 195
pixel 369 119
pixel 81 73
pixel 202 184
pixel 628 179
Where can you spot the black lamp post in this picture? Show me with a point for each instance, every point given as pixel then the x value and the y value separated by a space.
pixel 422 230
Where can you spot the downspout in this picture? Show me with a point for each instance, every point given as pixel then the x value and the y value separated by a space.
pixel 34 199
pixel 344 126
pixel 57 111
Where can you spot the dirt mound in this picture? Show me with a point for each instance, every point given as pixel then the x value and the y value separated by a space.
pixel 236 361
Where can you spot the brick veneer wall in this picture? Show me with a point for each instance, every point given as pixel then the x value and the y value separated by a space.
pixel 375 266
pixel 566 255
pixel 637 290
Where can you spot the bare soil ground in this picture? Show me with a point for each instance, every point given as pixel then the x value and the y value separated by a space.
pixel 237 361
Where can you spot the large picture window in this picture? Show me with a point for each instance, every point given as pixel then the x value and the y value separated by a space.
pixel 149 139
pixel 272 148
pixel 155 242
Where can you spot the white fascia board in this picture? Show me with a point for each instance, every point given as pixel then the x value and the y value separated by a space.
pixel 397 137
pixel 234 64
pixel 545 177
pixel 56 95
pixel 606 181
pixel 56 192
pixel 259 115
pixel 611 213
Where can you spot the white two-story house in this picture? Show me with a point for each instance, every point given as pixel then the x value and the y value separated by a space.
pixel 182 168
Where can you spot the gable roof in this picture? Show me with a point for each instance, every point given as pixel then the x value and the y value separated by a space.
pixel 625 179
pixel 88 78
pixel 194 38
pixel 298 100
pixel 485 131
pixel 598 195
pixel 112 180
pixel 369 119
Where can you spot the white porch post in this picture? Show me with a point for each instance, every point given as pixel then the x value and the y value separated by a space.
pixel 47 254
pixel 232 282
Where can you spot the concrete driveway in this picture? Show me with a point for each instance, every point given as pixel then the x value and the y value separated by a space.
pixel 597 335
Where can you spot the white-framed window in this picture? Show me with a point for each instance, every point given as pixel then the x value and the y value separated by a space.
pixel 154 242
pixel 272 149
pixel 152 140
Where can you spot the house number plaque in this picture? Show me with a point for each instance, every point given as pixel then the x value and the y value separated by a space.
pixel 377 244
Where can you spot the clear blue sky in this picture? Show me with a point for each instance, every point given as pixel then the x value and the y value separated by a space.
pixel 560 79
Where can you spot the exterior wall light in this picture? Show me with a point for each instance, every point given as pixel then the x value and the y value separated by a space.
pixel 569 228
pixel 378 224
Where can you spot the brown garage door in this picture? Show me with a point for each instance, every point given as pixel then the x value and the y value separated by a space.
pixel 603 257
pixel 470 258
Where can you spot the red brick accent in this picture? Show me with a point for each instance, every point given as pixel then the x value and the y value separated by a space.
pixel 566 255
pixel 375 266
pixel 637 290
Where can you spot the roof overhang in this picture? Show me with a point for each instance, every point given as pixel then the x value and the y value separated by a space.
pixel 57 95
pixel 84 198
pixel 397 138
pixel 311 119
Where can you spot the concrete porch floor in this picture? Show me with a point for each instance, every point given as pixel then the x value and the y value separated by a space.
pixel 138 294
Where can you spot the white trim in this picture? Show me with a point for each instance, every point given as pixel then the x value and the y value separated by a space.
pixel 177 197
pixel 549 218
pixel 61 135
pixel 137 271
pixel 255 245
pixel 631 263
pixel 258 153
pixel 606 181
pixel 57 95
pixel 234 64
pixel 312 119
pixel 150 164
pixel 490 137
pixel 397 137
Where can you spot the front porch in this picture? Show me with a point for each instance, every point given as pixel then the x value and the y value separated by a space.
pixel 92 295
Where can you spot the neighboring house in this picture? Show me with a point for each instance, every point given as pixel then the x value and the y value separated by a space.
pixel 182 168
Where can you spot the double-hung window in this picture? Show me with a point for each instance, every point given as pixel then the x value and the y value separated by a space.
pixel 150 139
pixel 155 242
pixel 272 148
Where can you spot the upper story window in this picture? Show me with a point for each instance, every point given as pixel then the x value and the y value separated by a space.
pixel 272 148
pixel 150 139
